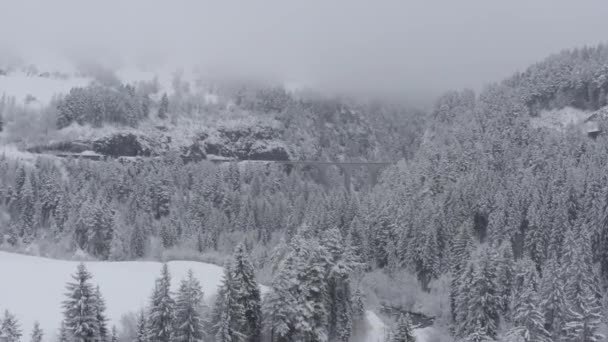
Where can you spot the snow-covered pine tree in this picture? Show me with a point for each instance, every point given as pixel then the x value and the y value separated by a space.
pixel 403 331
pixel 114 335
pixel 187 311
pixel 9 329
pixel 280 303
pixel 37 333
pixel 228 315
pixel 138 241
pixel 483 304
pixel 585 319
pixel 358 310
pixel 528 319
pixel 312 311
pixel 64 334
pixel 505 274
pixel 142 334
pixel 461 252
pixel 247 294
pixel 100 314
pixel 584 310
pixel 340 263
pixel 80 307
pixel 162 309
pixel 163 108
pixel 27 202
pixel 553 303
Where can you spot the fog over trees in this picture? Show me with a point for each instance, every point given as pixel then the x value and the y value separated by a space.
pixel 359 171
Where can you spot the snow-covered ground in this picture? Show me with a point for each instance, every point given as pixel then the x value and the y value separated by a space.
pixel 33 288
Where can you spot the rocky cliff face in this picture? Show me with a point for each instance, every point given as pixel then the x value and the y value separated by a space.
pixel 243 143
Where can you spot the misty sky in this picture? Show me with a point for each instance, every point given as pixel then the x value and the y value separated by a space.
pixel 402 48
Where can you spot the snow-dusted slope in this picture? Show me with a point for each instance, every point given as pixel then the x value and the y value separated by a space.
pixel 33 287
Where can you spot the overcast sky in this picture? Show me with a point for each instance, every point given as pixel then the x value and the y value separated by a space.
pixel 403 48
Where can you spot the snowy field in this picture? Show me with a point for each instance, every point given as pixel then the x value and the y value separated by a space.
pixel 33 288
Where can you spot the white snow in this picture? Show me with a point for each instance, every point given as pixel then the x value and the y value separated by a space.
pixel 560 119
pixel 376 330
pixel 33 287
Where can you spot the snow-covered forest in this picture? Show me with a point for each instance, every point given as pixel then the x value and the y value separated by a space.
pixel 141 203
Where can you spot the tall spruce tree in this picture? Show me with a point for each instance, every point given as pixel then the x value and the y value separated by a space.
pixel 228 315
pixel 188 311
pixel 403 331
pixel 528 319
pixel 247 294
pixel 162 309
pixel 482 302
pixel 80 307
pixel 163 108
pixel 9 329
pixel 142 334
pixel 37 333
pixel 553 303
pixel 64 334
pixel 280 302
pixel 582 294
pixel 100 315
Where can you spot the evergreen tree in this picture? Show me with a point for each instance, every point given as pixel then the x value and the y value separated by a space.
pixel 64 334
pixel 100 308
pixel 228 315
pixel 505 276
pixel 9 329
pixel 582 293
pixel 145 105
pixel 528 319
pixel 80 307
pixel 553 304
pixel 280 302
pixel 142 328
pixel 403 332
pixel 247 294
pixel 187 311
pixel 162 309
pixel 114 336
pixel 584 320
pixel 163 108
pixel 461 252
pixel 482 301
pixel 37 333
pixel 27 214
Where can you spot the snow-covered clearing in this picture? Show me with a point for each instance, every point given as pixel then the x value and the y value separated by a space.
pixel 33 287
